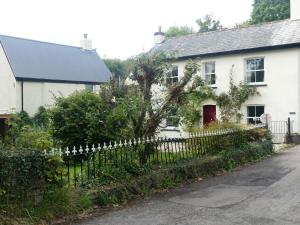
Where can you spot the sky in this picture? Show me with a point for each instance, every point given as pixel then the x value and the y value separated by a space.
pixel 118 28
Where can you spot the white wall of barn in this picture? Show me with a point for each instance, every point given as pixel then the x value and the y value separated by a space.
pixel 280 93
pixel 36 94
pixel 7 86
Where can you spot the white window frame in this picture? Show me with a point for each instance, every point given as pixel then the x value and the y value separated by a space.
pixel 257 70
pixel 205 75
pixel 254 118
pixel 169 76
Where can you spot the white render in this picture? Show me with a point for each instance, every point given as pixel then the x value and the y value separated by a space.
pixel 280 93
pixel 295 9
pixel 36 94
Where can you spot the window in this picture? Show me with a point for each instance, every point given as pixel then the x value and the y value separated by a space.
pixel 89 87
pixel 254 113
pixel 255 70
pixel 210 73
pixel 173 119
pixel 172 76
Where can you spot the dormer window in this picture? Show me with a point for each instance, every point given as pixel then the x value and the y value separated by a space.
pixel 172 76
pixel 210 73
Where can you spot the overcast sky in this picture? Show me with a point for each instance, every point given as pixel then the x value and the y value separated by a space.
pixel 118 28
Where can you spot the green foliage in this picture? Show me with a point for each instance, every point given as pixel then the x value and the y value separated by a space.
pixel 119 68
pixel 208 23
pixel 270 10
pixel 230 103
pixel 176 31
pixel 42 118
pixel 26 133
pixel 150 70
pixel 86 118
pixel 189 106
pixel 25 173
pixel 29 138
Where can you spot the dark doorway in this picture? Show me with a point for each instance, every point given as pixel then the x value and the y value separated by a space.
pixel 209 114
pixel 2 127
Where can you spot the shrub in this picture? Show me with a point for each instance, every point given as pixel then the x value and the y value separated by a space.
pixel 42 118
pixel 86 118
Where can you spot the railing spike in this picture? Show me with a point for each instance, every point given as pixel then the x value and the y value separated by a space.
pixel 74 150
pixel 80 149
pixel 67 151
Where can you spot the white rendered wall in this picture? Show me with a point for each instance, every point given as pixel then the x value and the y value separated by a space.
pixel 38 94
pixel 7 86
pixel 280 95
pixel 295 9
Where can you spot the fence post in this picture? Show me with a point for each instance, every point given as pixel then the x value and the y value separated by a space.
pixel 289 133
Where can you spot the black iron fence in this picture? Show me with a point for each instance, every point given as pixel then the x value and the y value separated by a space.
pixel 87 163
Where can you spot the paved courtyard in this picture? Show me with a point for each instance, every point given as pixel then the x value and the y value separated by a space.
pixel 265 193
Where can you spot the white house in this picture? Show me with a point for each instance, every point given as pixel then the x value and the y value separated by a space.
pixel 32 72
pixel 266 56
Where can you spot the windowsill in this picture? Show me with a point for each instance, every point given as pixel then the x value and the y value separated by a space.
pixel 258 84
pixel 214 86
pixel 171 129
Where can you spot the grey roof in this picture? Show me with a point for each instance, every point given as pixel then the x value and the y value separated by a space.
pixel 36 60
pixel 268 35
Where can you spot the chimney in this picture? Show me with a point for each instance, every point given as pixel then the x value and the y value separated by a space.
pixel 295 9
pixel 86 43
pixel 159 36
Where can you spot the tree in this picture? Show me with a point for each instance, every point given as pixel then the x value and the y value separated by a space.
pixel 270 10
pixel 149 73
pixel 176 31
pixel 117 67
pixel 208 23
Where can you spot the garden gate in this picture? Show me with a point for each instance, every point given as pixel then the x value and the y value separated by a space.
pixel 281 131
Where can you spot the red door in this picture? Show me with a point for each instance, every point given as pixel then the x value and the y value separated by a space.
pixel 209 114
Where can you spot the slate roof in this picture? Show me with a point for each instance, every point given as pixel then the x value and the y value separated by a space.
pixel 36 60
pixel 285 33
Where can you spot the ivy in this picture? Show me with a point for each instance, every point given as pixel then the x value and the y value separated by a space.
pixel 230 103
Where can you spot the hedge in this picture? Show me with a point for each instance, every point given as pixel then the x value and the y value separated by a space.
pixel 25 173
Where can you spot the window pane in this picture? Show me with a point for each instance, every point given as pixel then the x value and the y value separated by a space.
pixel 260 64
pixel 260 110
pixel 169 81
pixel 209 68
pixel 213 79
pixel 251 64
pixel 260 76
pixel 252 77
pixel 175 80
pixel 175 71
pixel 251 121
pixel 251 111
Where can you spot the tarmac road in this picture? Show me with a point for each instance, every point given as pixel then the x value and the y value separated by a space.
pixel 265 193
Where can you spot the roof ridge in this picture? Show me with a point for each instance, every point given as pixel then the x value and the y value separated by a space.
pixel 43 42
pixel 231 29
